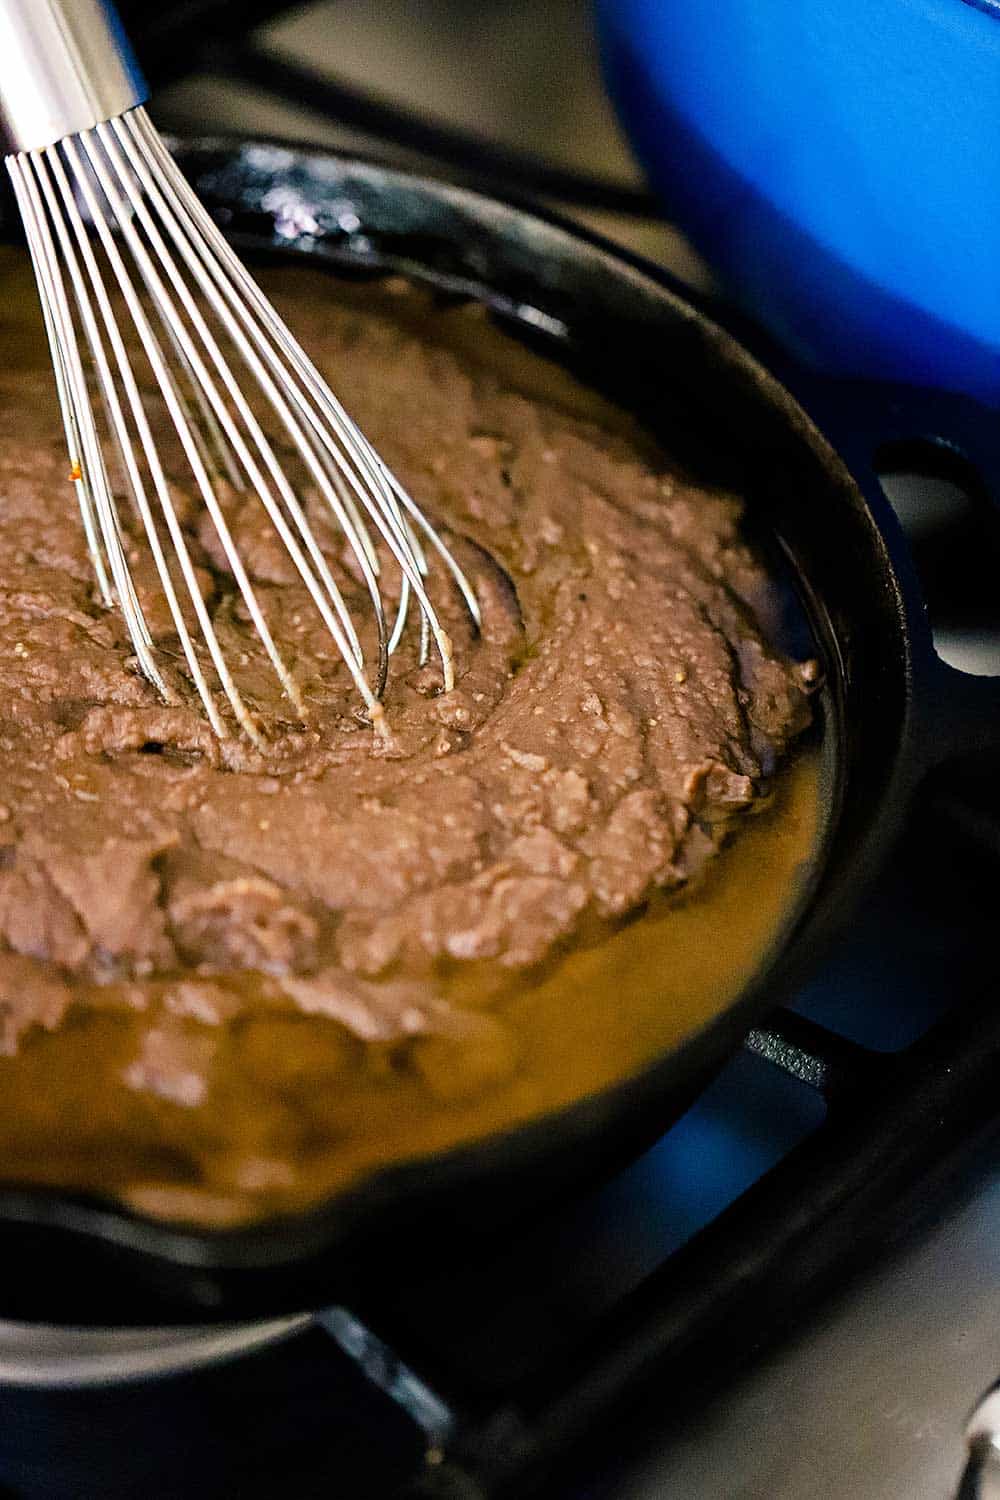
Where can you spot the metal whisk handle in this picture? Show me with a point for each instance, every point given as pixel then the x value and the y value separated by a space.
pixel 65 66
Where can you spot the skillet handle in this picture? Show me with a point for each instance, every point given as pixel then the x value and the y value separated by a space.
pixel 956 714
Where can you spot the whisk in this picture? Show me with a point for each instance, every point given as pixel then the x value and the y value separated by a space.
pixel 110 223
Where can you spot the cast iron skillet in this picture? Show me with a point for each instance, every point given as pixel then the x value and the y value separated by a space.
pixel 894 713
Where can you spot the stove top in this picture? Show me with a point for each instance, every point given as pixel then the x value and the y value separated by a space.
pixel 793 1292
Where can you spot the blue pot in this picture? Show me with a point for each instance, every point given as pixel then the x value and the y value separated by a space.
pixel 837 162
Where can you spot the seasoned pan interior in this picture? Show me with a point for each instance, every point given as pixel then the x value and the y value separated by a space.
pixel 711 407
pixel 250 1051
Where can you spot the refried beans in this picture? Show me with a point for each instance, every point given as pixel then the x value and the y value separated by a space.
pixel 233 979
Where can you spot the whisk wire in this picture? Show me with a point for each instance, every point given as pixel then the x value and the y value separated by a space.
pixel 155 356
pixel 126 448
pixel 71 426
pixel 355 458
pixel 28 187
pixel 159 479
pixel 253 427
pixel 214 449
pixel 156 249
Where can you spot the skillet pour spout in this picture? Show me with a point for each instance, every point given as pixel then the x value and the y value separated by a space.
pixel 632 332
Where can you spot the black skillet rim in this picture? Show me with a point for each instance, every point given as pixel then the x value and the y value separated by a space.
pixel 285 1241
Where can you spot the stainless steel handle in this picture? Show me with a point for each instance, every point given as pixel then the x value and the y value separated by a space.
pixel 65 65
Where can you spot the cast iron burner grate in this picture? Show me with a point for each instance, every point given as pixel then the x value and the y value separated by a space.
pixel 896 1128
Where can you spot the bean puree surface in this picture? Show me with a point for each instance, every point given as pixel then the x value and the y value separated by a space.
pixel 232 979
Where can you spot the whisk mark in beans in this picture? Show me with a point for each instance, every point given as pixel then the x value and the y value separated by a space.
pixel 86 154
